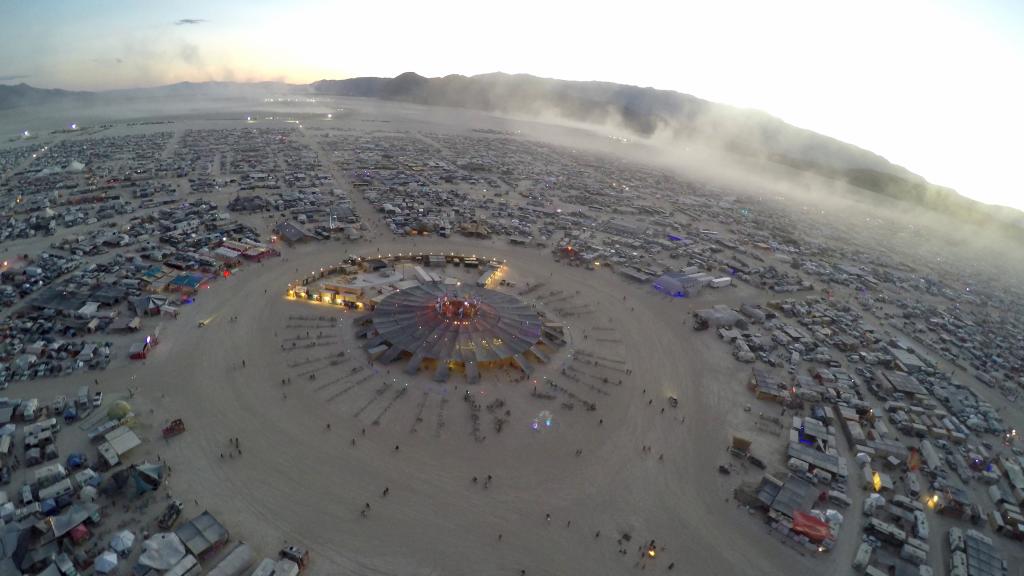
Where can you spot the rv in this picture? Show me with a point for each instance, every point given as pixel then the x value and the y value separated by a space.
pixel 62 488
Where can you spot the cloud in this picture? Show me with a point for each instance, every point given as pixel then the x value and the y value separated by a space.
pixel 14 77
pixel 185 21
pixel 189 53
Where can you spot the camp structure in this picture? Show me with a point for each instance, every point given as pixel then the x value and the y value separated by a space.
pixel 202 535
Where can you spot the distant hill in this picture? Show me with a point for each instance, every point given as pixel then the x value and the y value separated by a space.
pixel 20 95
pixel 665 114
pixel 647 112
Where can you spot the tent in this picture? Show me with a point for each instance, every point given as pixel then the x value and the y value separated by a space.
pixel 105 563
pixel 808 525
pixel 118 410
pixel 162 551
pixel 88 494
pixel 79 534
pixel 147 476
pixel 122 542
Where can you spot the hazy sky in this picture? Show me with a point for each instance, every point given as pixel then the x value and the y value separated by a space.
pixel 934 86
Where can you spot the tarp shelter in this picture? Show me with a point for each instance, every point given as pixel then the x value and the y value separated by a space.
pixel 162 551
pixel 147 477
pixel 148 305
pixel 105 563
pixel 76 461
pixel 202 534
pixel 63 523
pixel 816 530
pixel 122 542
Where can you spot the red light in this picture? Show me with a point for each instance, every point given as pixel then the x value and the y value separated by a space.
pixel 227 273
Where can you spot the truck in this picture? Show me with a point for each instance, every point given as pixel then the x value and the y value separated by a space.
pixel 296 554
pixel 83 397
pixel 170 515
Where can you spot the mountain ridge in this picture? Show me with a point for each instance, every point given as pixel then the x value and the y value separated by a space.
pixel 645 112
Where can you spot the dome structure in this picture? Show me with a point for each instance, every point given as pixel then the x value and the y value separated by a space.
pixel 118 410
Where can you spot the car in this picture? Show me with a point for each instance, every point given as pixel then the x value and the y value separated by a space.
pixel 202 323
pixel 97 399
pixel 296 554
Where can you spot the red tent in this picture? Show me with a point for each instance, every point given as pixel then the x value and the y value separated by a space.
pixel 79 534
pixel 810 526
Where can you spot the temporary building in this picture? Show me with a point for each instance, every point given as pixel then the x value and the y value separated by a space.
pixel 202 534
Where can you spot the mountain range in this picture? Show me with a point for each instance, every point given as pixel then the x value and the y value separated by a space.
pixel 645 112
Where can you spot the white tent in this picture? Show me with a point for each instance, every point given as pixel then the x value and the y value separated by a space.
pixel 88 494
pixel 162 551
pixel 122 542
pixel 105 563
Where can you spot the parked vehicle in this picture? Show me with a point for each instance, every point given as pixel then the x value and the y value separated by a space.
pixel 296 554
pixel 174 428
pixel 97 399
pixel 170 515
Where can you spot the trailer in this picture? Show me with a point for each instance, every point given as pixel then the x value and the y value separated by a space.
pixel 863 556
pixel 913 554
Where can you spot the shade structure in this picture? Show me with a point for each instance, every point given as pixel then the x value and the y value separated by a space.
pixel 162 551
pixel 122 541
pixel 461 326
pixel 106 562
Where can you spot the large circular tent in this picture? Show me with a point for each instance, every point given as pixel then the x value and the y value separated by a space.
pixel 455 328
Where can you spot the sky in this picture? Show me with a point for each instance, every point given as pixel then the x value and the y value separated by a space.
pixel 935 86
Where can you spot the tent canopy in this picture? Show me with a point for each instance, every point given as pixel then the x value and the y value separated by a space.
pixel 106 562
pixel 122 541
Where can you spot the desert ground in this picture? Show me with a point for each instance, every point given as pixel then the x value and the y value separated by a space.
pixel 315 451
